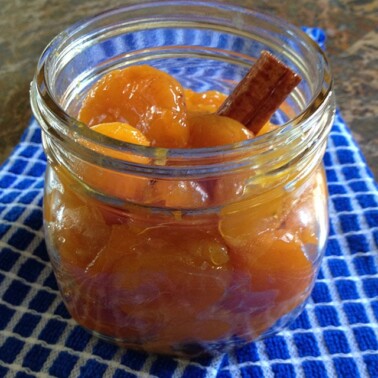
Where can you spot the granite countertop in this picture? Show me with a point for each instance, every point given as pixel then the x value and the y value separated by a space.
pixel 351 26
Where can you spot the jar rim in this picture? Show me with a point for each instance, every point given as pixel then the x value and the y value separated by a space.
pixel 71 126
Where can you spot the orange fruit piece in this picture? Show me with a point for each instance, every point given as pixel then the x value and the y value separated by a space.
pixel 204 102
pixel 282 267
pixel 79 231
pixel 154 272
pixel 267 128
pixel 118 184
pixel 144 97
pixel 241 224
pixel 125 133
pixel 278 268
pixel 211 130
pixel 122 131
pixel 272 277
pixel 179 194
pixel 188 266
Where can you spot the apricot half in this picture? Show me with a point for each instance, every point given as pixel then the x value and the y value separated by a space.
pixel 144 97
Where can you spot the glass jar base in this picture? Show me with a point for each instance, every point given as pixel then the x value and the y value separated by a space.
pixel 194 349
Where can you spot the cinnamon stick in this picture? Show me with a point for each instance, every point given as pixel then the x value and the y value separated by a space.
pixel 260 93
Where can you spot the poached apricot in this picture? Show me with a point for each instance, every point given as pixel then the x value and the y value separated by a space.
pixel 144 97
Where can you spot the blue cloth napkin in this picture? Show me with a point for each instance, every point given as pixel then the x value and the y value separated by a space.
pixel 335 336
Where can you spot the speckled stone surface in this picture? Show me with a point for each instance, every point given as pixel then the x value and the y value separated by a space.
pixel 351 25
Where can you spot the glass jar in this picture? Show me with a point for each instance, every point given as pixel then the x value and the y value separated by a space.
pixel 184 251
